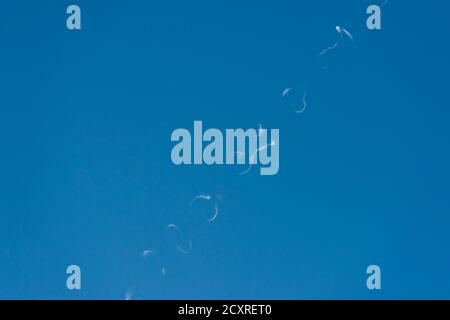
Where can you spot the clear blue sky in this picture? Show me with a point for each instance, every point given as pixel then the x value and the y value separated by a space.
pixel 86 176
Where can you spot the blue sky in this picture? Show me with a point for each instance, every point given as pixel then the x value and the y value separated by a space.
pixel 87 179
